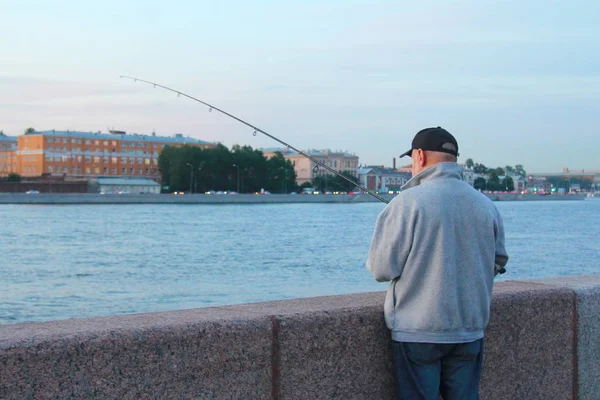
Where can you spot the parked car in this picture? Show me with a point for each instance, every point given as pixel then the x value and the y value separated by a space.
pixel 32 191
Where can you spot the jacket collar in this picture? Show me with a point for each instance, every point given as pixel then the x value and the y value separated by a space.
pixel 443 170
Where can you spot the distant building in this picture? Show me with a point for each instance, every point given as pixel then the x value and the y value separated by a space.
pixel 305 168
pixel 8 155
pixel 381 179
pixel 124 186
pixel 89 154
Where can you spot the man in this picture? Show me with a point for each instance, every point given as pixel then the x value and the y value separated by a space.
pixel 440 243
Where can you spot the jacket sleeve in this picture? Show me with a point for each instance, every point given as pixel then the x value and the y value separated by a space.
pixel 501 254
pixel 391 243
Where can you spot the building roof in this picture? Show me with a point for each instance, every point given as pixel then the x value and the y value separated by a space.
pixel 177 138
pixel 8 138
pixel 381 170
pixel 126 182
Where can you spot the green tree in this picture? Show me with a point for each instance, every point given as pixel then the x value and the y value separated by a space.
pixel 508 184
pixel 469 163
pixel 479 184
pixel 2 133
pixel 281 175
pixel 498 171
pixel 493 182
pixel 341 184
pixel 14 178
pixel 509 170
pixel 29 131
pixel 520 171
pixel 479 168
pixel 321 182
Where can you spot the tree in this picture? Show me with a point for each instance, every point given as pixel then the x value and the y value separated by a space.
pixel 494 182
pixel 29 131
pixel 479 168
pixel 469 163
pixel 14 177
pixel 2 133
pixel 498 171
pixel 520 171
pixel 479 184
pixel 342 184
pixel 509 170
pixel 508 184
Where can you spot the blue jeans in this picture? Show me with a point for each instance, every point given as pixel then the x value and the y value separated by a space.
pixel 426 371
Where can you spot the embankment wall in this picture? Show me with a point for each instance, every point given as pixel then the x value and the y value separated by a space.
pixel 88 198
pixel 543 342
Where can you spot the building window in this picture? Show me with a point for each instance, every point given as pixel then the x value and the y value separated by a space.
pixel 50 169
pixel 123 160
pixel 65 170
pixel 132 161
pixel 114 171
pixel 106 170
pixel 104 159
pixel 131 171
pixel 96 159
pixel 88 158
pixel 114 160
pixel 139 171
pixel 147 171
pixel 96 170
pixel 140 161
pixel 50 140
pixel 87 170
pixel 123 170
pixel 147 161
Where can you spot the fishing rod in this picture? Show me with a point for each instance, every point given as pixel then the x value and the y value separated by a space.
pixel 256 129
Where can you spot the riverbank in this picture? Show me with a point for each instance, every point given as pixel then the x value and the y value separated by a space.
pixel 90 198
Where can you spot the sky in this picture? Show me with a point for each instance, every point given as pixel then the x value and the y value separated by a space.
pixel 516 82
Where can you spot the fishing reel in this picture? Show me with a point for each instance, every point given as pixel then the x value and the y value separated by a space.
pixel 498 270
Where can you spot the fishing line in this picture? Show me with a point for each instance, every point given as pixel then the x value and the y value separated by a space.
pixel 318 164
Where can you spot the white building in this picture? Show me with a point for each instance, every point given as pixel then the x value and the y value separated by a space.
pixel 382 180
pixel 124 186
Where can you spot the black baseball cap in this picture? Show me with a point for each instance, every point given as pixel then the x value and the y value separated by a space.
pixel 433 139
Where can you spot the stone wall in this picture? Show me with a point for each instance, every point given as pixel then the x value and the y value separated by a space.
pixel 543 342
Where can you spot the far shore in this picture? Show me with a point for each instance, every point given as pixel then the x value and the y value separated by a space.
pixel 92 198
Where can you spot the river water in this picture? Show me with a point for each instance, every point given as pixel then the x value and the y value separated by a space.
pixel 62 262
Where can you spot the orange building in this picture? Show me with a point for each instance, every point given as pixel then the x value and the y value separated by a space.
pixel 8 155
pixel 90 155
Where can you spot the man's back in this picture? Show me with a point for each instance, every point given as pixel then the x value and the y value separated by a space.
pixel 446 234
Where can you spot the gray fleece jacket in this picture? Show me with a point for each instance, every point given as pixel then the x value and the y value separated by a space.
pixel 437 242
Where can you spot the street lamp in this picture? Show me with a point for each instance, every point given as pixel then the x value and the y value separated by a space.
pixel 238 177
pixel 191 177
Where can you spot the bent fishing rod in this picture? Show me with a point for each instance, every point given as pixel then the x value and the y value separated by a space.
pixel 256 129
